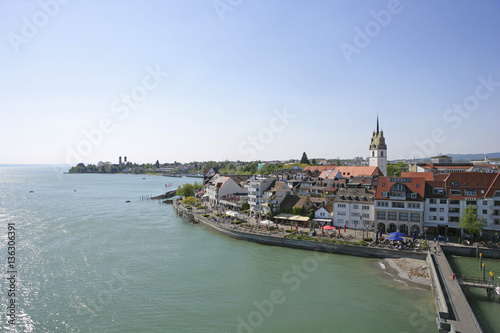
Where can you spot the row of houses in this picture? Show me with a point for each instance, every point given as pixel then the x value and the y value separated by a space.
pixel 430 198
pixel 361 198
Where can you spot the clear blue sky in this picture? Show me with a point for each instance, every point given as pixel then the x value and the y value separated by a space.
pixel 67 69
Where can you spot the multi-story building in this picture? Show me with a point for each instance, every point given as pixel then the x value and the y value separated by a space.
pixel 256 190
pixel 222 187
pixel 399 205
pixel 476 189
pixel 354 208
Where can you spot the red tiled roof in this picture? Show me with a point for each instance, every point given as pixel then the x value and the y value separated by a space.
pixel 427 175
pixel 495 186
pixel 356 171
pixel 416 185
pixel 473 181
pixel 319 168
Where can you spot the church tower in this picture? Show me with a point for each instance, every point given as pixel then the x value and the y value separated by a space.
pixel 378 151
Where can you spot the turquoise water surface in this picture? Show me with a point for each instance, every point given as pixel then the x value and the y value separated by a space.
pixel 87 261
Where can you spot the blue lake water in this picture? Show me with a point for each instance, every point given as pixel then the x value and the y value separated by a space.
pixel 87 261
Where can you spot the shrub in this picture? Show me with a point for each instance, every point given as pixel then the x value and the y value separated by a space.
pixel 206 215
pixel 289 230
pixel 245 224
pixel 368 239
pixel 237 222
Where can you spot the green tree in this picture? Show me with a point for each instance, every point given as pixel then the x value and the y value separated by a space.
pixel 470 222
pixel 311 214
pixel 304 159
pixel 191 201
pixel 245 205
pixel 197 186
pixel 394 170
pixel 157 164
pixel 313 162
pixel 297 210
pixel 187 190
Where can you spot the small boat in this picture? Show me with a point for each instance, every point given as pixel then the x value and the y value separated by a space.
pixel 32 191
pixel 143 177
pixel 128 201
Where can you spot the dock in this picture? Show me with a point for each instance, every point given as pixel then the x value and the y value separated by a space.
pixel 454 311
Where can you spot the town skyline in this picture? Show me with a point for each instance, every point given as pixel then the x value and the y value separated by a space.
pixel 88 81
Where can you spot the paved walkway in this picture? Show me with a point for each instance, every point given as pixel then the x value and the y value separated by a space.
pixel 461 316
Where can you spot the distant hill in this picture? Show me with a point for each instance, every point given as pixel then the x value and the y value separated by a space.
pixel 472 157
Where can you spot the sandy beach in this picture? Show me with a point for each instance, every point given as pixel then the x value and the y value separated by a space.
pixel 411 272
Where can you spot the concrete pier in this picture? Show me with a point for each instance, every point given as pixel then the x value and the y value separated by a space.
pixel 454 312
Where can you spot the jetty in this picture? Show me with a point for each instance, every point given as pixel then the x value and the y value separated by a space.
pixel 453 309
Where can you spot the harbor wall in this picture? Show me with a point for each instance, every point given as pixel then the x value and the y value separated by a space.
pixel 470 251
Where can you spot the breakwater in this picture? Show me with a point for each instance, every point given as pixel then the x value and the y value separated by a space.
pixel 278 239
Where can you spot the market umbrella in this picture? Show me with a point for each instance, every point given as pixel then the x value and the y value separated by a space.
pixel 328 227
pixel 395 238
pixel 397 233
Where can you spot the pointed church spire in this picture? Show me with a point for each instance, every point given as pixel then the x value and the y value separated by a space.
pixel 377 123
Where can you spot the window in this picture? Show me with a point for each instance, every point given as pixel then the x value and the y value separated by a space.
pixel 414 205
pixel 417 185
pixel 433 209
pixel 392 216
pixel 454 184
pixel 437 191
pixel 398 205
pixel 354 214
pixel 443 201
pixel 340 205
pixel 367 216
pixel 403 216
pixel 413 195
pixel 455 192
pixel 381 154
pixel 383 184
pixel 385 194
pixel 381 215
pixel 441 218
pixel 454 202
pixel 485 202
pixel 441 210
pixel 470 192
pixel 432 218
pixel 415 217
pixel 341 213
pixel 355 206
pixel 365 207
pixel 497 194
pixel 382 204
pixel 485 211
pixel 432 201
